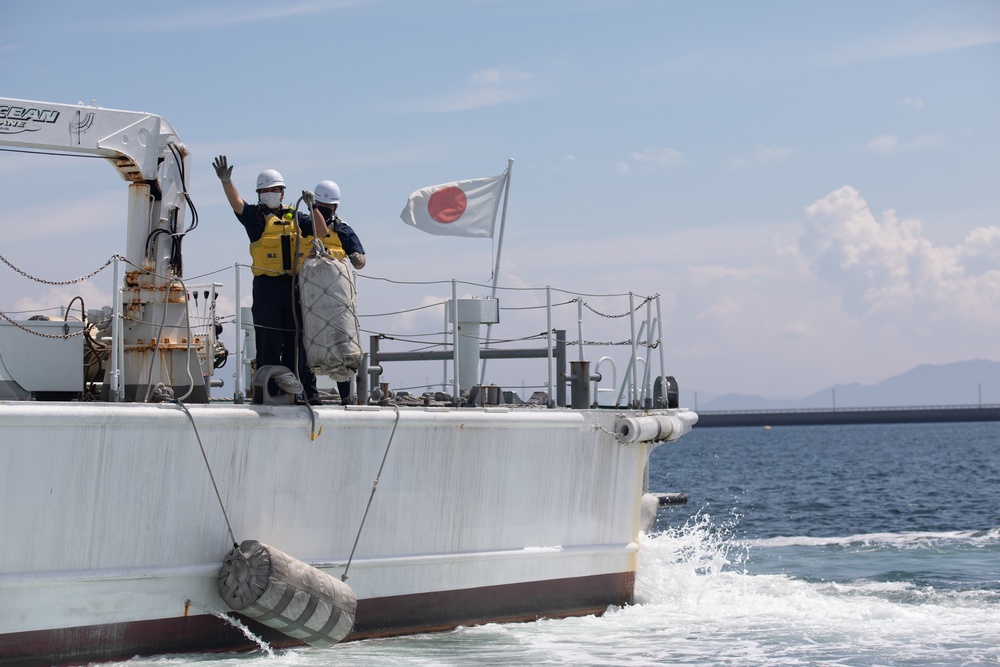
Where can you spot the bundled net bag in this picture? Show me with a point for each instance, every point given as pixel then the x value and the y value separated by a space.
pixel 329 315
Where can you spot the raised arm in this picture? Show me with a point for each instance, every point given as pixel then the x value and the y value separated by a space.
pixel 224 171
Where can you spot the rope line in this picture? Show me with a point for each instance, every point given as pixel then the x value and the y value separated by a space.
pixel 485 286
pixel 225 515
pixel 343 577
pixel 399 337
pixel 408 310
pixel 539 307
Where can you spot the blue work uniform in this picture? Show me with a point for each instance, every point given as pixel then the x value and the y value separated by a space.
pixel 277 311
pixel 348 239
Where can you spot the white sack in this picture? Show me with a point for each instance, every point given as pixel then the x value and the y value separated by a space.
pixel 329 316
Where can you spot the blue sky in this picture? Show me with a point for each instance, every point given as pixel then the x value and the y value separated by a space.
pixel 811 187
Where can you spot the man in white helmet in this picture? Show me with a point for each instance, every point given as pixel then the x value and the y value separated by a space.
pixel 278 245
pixel 340 241
pixel 328 201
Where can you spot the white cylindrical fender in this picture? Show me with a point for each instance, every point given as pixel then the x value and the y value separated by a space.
pixel 637 429
pixel 286 594
pixel 655 427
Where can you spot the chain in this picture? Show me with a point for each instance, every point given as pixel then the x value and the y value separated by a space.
pixel 53 282
pixel 640 343
pixel 61 282
pixel 601 429
pixel 37 333
pixel 613 317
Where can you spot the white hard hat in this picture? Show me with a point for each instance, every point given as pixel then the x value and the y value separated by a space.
pixel 328 192
pixel 270 178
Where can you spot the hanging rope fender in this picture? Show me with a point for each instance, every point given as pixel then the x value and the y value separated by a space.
pixel 343 577
pixel 364 517
pixel 262 582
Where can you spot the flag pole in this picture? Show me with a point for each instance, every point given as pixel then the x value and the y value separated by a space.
pixel 496 267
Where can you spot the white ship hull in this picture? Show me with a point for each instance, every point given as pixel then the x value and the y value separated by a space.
pixel 116 517
pixel 114 535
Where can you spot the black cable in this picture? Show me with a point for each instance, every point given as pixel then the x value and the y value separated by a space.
pixel 180 169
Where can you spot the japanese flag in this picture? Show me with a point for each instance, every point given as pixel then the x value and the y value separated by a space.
pixel 462 208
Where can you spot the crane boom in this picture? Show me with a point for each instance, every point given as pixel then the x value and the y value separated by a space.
pixel 146 152
pixel 133 141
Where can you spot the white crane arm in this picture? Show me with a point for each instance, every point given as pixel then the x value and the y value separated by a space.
pixel 133 141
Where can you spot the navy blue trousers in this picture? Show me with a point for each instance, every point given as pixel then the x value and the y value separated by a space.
pixel 277 325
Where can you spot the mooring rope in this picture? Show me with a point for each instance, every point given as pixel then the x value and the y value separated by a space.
pixel 215 486
pixel 343 577
pixel 313 433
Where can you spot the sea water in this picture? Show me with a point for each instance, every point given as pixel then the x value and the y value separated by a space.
pixel 813 545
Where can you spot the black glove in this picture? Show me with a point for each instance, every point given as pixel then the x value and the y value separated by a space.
pixel 222 169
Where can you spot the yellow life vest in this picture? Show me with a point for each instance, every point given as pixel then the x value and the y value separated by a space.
pixel 332 243
pixel 272 252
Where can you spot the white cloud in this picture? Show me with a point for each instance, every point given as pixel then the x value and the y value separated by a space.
pixel 711 272
pixel 883 143
pixel 885 268
pixel 49 300
pixel 888 144
pixel 236 14
pixel 847 296
pixel 919 44
pixel 801 329
pixel 916 103
pixel 922 141
pixel 657 157
pixel 979 252
pixel 494 76
pixel 485 88
pixel 78 221
pixel 760 156
pixel 470 99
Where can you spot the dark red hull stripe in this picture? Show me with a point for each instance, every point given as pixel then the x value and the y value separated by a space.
pixel 376 617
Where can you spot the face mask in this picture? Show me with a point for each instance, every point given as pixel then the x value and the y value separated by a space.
pixel 270 199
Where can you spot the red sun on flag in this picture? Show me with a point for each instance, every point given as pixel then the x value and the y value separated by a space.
pixel 447 204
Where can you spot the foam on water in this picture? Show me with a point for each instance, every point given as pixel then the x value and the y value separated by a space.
pixel 698 602
pixel 898 540
pixel 740 616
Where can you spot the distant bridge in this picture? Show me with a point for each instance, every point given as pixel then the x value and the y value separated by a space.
pixel 812 417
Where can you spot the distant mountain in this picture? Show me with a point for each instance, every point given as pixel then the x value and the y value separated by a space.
pixel 960 383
